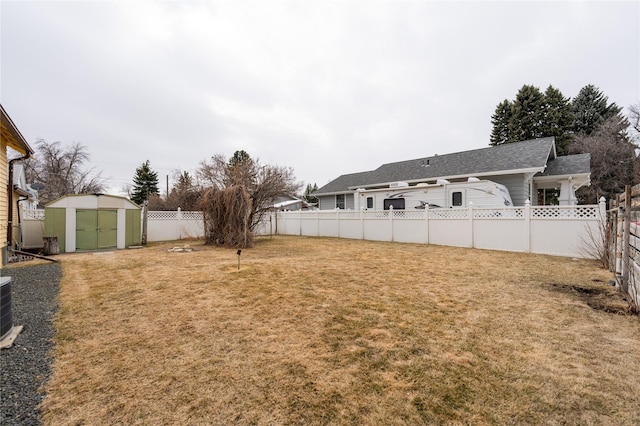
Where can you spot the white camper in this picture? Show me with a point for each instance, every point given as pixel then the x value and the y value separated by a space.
pixel 442 194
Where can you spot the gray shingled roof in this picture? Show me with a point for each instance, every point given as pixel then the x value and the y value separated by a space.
pixel 567 165
pixel 511 157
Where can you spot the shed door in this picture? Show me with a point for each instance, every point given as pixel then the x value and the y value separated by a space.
pixel 96 229
pixel 86 229
pixel 107 229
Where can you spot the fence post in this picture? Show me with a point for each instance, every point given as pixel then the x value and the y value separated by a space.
pixel 470 213
pixel 626 233
pixel 602 204
pixel 426 219
pixel 391 220
pixel 300 221
pixel 318 223
pixel 338 221
pixel 179 217
pixel 527 226
pixel 362 221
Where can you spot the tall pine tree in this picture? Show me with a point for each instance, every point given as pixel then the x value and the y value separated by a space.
pixel 145 183
pixel 558 119
pixel 310 189
pixel 500 121
pixel 241 170
pixel 591 109
pixel 527 114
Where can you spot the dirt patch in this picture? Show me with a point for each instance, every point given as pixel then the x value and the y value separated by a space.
pixel 599 296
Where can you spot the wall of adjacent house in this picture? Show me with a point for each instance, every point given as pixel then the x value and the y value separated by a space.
pixel 328 202
pixel 554 230
pixel 517 186
pixel 4 199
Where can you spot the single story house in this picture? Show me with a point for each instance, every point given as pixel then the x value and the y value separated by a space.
pixel 526 168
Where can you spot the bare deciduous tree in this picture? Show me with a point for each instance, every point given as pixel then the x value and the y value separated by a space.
pixel 61 170
pixel 613 158
pixel 185 193
pixel 263 183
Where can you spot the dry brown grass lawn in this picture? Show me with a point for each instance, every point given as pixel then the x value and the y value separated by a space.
pixel 329 331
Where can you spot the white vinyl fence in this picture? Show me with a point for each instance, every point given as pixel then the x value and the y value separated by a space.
pixel 161 226
pixel 555 230
pixel 174 225
pixel 32 228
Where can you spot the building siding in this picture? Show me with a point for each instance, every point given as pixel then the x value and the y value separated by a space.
pixel 349 201
pixel 517 186
pixel 327 202
pixel 4 199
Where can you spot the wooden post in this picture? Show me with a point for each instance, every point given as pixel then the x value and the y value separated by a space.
pixel 145 207
pixel 626 232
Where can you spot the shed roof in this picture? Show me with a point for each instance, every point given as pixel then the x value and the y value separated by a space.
pixel 520 157
pixel 93 201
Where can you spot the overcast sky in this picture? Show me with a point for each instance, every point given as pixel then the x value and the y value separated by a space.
pixel 325 87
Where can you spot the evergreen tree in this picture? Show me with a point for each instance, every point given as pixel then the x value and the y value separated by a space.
pixel 307 194
pixel 528 114
pixel 558 119
pixel 241 170
pixel 591 109
pixel 500 121
pixel 531 115
pixel 145 183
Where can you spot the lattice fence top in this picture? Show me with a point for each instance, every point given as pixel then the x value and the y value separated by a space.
pixel 34 214
pixel 459 213
pixel 161 215
pixel 489 213
pixel 564 212
pixel 192 216
pixel 375 214
pixel 173 215
pixel 536 212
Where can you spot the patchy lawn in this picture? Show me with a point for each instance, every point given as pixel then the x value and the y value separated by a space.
pixel 330 331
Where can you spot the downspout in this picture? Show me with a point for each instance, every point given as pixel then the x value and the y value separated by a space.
pixel 10 200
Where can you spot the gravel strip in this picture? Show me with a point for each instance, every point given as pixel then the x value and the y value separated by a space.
pixel 26 366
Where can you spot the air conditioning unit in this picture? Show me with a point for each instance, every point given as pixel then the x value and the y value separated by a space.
pixel 6 315
pixel 398 185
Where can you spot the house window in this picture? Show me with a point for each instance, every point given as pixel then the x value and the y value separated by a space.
pixel 340 201
pixel 369 202
pixel 397 203
pixel 456 199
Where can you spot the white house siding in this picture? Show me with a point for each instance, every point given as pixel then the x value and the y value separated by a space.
pixel 349 201
pixel 517 186
pixel 327 202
